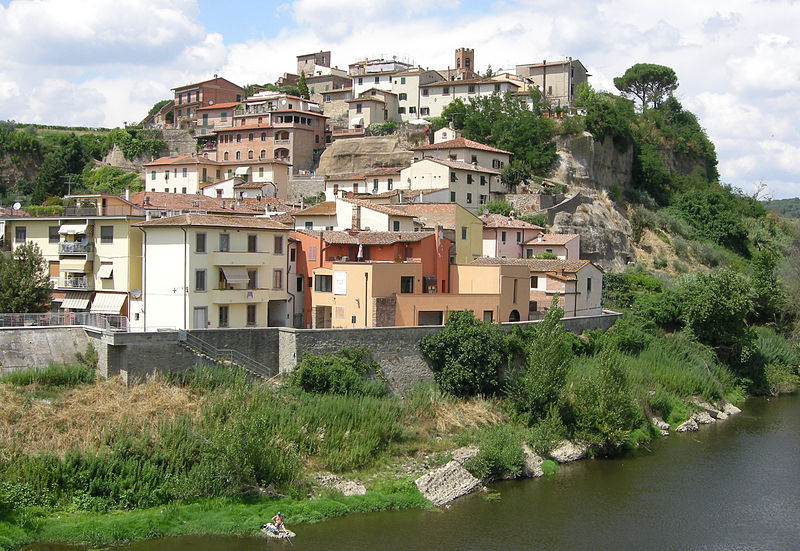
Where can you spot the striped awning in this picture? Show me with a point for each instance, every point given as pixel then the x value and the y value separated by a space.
pixel 106 271
pixel 77 265
pixel 242 171
pixel 235 274
pixel 72 229
pixel 76 300
pixel 108 303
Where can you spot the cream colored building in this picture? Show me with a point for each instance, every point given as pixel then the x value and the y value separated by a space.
pixel 353 214
pixel 566 246
pixel 213 271
pixel 372 182
pixel 557 80
pixel 372 106
pixel 436 96
pixel 470 185
pixel 181 174
pixel 464 150
pixel 406 85
pixel 93 254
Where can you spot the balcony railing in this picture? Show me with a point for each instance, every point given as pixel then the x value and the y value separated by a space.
pixel 75 247
pixel 74 282
pixel 48 319
pixel 282 142
pixel 118 210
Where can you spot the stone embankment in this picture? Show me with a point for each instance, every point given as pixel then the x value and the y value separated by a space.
pixel 451 481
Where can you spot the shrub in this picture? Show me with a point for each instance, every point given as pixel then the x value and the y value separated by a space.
pixel 499 207
pixel 680 267
pixel 209 376
pixel 500 453
pixel 340 373
pixel 547 433
pixel 546 255
pixel 780 379
pixel 630 334
pixel 535 219
pixel 681 246
pixel 467 356
pixel 549 467
pixel 659 262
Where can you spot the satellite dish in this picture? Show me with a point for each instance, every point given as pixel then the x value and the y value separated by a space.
pixel 136 293
pixel 16 206
pixel 283 102
pixel 211 102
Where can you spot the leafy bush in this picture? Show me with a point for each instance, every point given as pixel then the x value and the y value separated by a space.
pixel 339 373
pixel 547 433
pixel 535 219
pixel 659 262
pixel 715 214
pixel 45 210
pixel 574 125
pixel 499 207
pixel 500 453
pixel 780 379
pixel 467 356
pixel 382 128
pixel 630 334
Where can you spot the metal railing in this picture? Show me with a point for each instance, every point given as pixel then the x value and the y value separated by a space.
pixel 49 319
pixel 75 247
pixel 225 356
pixel 74 283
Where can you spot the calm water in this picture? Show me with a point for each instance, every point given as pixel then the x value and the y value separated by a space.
pixel 733 485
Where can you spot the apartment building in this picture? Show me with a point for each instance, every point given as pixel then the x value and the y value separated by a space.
pixel 371 106
pixel 464 150
pixel 190 97
pixel 507 237
pixel 557 80
pixel 374 181
pixel 180 174
pixel 211 117
pixel 463 228
pixel 215 271
pixel 436 96
pixel 92 251
pixel 157 204
pixel 406 87
pixel 566 246
pixel 468 184
pixel 354 214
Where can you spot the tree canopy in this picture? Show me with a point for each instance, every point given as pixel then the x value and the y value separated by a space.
pixel 24 281
pixel 648 82
pixel 158 105
pixel 302 87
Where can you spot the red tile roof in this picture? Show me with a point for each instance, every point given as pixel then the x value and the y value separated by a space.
pixel 500 221
pixel 324 208
pixel 550 267
pixel 461 143
pixel 553 239
pixel 180 160
pixel 159 200
pixel 207 81
pixel 369 237
pixel 220 105
pixel 215 220
pixel 431 214
pixel 384 209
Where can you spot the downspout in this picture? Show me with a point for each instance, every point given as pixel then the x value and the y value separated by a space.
pixel 366 289
pixel 185 283
pixel 288 286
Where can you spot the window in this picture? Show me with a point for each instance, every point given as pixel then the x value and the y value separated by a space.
pixel 453 177
pixel 106 234
pixel 238 155
pixel 183 190
pixel 358 108
pixel 503 236
pixel 52 234
pixel 488 315
pixel 549 90
pixel 292 254
pixel 250 154
pixel 403 81
pixel 401 110
pixel 407 284
pixel 495 163
pixel 250 137
pixel 528 253
pixel 471 89
pixel 375 185
pixel 238 138
pixel 377 80
pixel 474 159
pixel 166 174
pixel 482 199
pixel 277 279
pixel 224 242
pixel 519 237
pixel 360 80
pixel 496 87
pixel 483 180
pixel 312 253
pixel 424 110
pixel 199 280
pixel 323 283
pixel 251 314
pixel 185 172
pixel 588 285
pixel 452 196
pixel 299 284
pixel 278 244
pixel 252 279
pixel 396 225
pixel 152 174
pixel 412 109
pixel 20 234
pixel 53 266
pixel 251 243
pixel 309 225
pixel 402 96
pixel 469 178
pixel 463 232
pixel 327 98
pixel 445 90
pixel 389 184
pixel 223 116
pixel 224 158
pixel 263 136
pixel 469 198
pixel 534 279
pixel 200 243
pixel 223 316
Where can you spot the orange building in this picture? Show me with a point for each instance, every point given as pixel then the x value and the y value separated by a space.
pixel 424 253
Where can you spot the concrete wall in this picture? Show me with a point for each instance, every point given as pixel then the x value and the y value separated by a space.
pixel 22 347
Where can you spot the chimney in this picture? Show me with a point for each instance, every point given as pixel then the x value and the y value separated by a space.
pixel 356 220
pixel 147 200
pixel 223 204
pixel 127 193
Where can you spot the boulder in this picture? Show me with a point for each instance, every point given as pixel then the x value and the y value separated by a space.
pixel 730 409
pixel 567 451
pixel 660 425
pixel 462 455
pixel 532 464
pixel 711 410
pixel 343 485
pixel 446 483
pixel 703 418
pixel 688 426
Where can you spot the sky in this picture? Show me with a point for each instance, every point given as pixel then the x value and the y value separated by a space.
pixel 106 62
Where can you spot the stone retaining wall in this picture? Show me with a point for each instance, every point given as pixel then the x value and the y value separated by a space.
pixel 23 347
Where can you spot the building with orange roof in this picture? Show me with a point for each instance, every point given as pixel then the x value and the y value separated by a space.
pixel 464 150
pixel 190 97
pixel 371 106
pixel 462 227
pixel 566 246
pixel 216 271
pixel 468 184
pixel 161 205
pixel 434 97
pixel 506 236
pixel 354 214
pixel 211 117
pixel 372 181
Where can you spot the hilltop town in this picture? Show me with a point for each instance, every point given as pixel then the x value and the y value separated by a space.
pixel 255 226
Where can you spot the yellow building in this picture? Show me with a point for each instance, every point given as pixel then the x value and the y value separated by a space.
pixel 93 254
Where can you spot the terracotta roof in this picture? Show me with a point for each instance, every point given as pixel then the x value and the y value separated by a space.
pixel 469 81
pixel 553 239
pixel 220 105
pixel 500 221
pixel 369 237
pixel 461 165
pixel 326 208
pixel 408 194
pixel 461 143
pixel 205 81
pixel 295 111
pixel 215 220
pixel 384 209
pixel 366 98
pixel 383 171
pixel 251 185
pixel 431 214
pixel 180 160
pixel 159 200
pixel 550 267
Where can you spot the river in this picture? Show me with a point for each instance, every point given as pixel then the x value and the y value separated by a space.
pixel 732 485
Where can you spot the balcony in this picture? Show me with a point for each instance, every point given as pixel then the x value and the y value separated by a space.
pixel 82 283
pixel 119 210
pixel 238 258
pixel 281 142
pixel 245 296
pixel 75 247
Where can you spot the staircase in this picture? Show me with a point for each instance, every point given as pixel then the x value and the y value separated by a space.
pixel 225 356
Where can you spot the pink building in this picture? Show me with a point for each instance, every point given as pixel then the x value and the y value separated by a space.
pixel 506 236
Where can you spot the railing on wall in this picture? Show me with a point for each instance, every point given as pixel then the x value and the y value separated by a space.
pixel 50 319
pixel 225 356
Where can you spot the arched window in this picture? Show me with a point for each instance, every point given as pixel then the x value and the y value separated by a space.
pixel 263 154
pixel 250 137
pixel 250 154
pixel 263 136
pixel 238 155
pixel 238 138
pixel 225 156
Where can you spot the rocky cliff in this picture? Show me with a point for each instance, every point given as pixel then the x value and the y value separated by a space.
pixel 358 154
pixel 586 163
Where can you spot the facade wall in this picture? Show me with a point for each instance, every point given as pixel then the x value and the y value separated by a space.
pixel 183 178
pixel 470 248
pixel 506 242
pixel 569 251
pixel 558 82
pixel 426 174
pixel 432 104
pixel 486 159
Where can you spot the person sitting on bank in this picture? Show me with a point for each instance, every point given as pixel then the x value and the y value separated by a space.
pixel 277 520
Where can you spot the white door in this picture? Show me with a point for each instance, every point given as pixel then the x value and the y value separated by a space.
pixel 200 317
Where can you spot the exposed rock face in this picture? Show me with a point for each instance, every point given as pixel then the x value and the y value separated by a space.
pixel 606 236
pixel 730 409
pixel 358 154
pixel 532 465
pixel 688 426
pixel 567 451
pixel 462 455
pixel 661 425
pixel 343 485
pixel 446 483
pixel 584 162
pixel 703 418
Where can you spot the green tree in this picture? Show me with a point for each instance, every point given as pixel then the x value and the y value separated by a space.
pixel 158 105
pixel 455 113
pixel 302 87
pixel 489 73
pixel 499 207
pixel 770 298
pixel 648 82
pixel 514 173
pixel 110 180
pixel 24 281
pixel 467 356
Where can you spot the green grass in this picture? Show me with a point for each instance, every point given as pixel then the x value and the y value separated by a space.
pixel 54 375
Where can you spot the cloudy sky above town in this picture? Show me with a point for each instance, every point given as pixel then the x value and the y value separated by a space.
pixel 105 62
